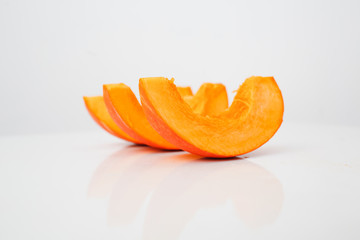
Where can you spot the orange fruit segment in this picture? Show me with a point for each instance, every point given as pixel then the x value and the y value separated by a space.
pixel 129 115
pixel 97 110
pixel 252 119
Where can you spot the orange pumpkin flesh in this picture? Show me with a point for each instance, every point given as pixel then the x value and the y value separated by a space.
pixel 126 111
pixel 185 91
pixel 251 120
pixel 97 110
pixel 211 99
pixel 128 114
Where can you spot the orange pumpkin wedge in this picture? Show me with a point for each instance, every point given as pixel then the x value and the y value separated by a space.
pixel 252 119
pixel 126 111
pixel 97 110
pixel 129 115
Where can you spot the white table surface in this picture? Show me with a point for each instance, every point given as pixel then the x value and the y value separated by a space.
pixel 303 184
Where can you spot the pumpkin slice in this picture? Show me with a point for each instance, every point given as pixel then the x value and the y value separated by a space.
pixel 128 114
pixel 252 119
pixel 126 111
pixel 97 110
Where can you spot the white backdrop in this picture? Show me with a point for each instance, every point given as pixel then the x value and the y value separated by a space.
pixel 54 52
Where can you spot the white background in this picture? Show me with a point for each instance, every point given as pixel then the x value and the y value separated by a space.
pixel 303 184
pixel 54 52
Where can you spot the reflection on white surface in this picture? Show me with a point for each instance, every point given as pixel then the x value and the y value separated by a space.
pixel 49 189
pixel 174 186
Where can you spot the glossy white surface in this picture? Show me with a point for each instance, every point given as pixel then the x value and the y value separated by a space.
pixel 303 184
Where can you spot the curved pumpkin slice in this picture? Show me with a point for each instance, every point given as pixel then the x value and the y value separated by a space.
pixel 185 91
pixel 97 110
pixel 252 119
pixel 127 112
